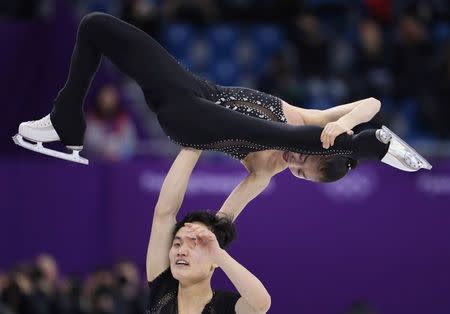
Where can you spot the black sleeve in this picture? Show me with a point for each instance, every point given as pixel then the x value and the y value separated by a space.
pixel 161 287
pixel 210 126
pixel 225 302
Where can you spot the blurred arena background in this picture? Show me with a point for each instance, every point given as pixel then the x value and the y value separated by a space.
pixel 73 238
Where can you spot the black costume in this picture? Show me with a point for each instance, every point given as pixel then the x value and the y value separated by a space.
pixel 191 111
pixel 164 291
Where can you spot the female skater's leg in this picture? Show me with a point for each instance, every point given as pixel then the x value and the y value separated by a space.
pixel 205 125
pixel 134 52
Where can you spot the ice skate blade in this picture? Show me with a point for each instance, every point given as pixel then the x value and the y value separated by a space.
pixel 39 148
pixel 425 163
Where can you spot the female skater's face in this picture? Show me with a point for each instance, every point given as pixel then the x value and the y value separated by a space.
pixel 188 262
pixel 303 166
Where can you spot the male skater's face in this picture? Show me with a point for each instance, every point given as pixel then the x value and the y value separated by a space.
pixel 188 261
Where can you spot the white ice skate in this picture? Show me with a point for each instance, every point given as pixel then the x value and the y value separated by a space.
pixel 400 155
pixel 42 131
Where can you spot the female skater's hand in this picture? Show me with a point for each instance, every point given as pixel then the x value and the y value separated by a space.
pixel 331 131
pixel 204 239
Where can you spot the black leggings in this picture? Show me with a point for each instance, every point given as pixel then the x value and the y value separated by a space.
pixel 180 99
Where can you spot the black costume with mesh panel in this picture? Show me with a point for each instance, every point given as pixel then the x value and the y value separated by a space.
pixel 192 112
pixel 164 292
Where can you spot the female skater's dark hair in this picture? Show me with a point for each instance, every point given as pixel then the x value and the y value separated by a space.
pixel 221 226
pixel 336 167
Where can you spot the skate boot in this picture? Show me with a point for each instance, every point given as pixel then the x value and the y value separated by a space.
pixel 42 131
pixel 400 155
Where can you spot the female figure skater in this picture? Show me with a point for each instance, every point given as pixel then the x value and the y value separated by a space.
pixel 182 256
pixel 199 114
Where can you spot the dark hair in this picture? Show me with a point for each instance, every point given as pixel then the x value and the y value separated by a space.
pixel 335 167
pixel 221 226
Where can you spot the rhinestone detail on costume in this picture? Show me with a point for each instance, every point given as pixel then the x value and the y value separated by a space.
pixel 158 308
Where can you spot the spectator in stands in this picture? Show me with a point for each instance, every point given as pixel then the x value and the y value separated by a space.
pixel 311 45
pixel 130 298
pixel 110 133
pixel 97 291
pixel 314 52
pixel 46 285
pixel 413 55
pixel 412 70
pixel 372 75
pixel 71 288
pixel 103 301
pixel 4 282
pixel 20 294
pixel 280 79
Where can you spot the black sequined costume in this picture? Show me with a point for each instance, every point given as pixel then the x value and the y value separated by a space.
pixel 248 102
pixel 192 111
pixel 164 291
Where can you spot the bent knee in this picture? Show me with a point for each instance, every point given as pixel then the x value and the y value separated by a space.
pixel 94 18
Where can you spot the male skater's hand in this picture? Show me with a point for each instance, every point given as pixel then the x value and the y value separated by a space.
pixel 204 239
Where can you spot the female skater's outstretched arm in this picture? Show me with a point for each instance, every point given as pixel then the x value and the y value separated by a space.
pixel 351 114
pixel 340 119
